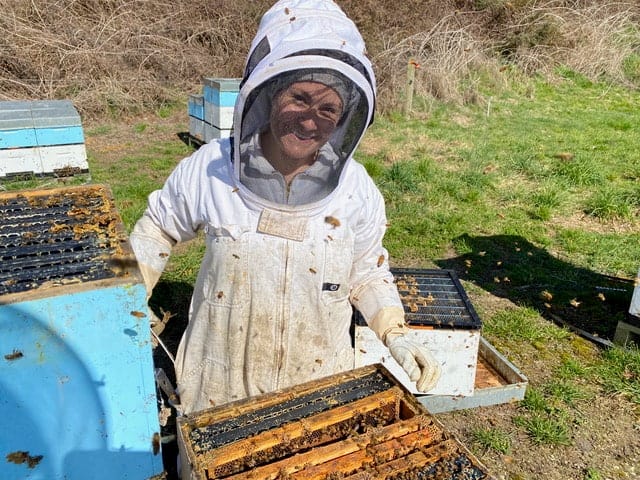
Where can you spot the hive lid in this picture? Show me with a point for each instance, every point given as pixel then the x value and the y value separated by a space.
pixel 433 298
pixel 61 236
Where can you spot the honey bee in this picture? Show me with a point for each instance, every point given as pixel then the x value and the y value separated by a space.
pixel 546 296
pixel 155 442
pixel 575 303
pixel 333 221
pixel 380 260
pixel 220 294
pixel 138 314
pixel 14 355
pixel 313 270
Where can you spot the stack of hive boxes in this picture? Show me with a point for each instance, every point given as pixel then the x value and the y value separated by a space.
pixel 41 137
pixel 211 113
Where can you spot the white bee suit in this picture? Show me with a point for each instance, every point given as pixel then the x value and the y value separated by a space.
pixel 270 311
pixel 272 304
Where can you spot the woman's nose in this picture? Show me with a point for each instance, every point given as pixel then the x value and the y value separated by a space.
pixel 308 121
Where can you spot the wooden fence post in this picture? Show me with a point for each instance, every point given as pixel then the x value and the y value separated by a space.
pixel 411 76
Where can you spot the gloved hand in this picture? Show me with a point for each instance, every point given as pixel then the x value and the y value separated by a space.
pixel 419 363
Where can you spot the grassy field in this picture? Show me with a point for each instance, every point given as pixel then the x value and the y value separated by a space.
pixel 533 197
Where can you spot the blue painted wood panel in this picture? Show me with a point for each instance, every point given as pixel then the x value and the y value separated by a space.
pixel 77 388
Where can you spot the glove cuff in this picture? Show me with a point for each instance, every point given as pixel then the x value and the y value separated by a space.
pixel 389 321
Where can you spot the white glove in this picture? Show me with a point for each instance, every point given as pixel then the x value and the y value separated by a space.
pixel 415 359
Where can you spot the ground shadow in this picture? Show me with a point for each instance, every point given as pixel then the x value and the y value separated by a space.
pixel 173 298
pixel 511 267
pixel 190 140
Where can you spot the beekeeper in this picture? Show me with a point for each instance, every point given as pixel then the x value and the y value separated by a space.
pixel 293 225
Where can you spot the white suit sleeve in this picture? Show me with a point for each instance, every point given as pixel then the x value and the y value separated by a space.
pixel 152 248
pixel 374 292
pixel 167 220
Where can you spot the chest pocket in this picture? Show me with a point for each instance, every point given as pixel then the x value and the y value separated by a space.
pixel 338 261
pixel 226 266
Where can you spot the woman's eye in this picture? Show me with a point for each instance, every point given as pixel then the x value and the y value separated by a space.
pixel 331 112
pixel 299 99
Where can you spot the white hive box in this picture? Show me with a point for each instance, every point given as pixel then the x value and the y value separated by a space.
pixel 211 113
pixel 220 96
pixel 440 316
pixel 77 389
pixel 195 108
pixel 41 137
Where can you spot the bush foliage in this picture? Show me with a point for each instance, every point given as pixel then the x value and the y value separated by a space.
pixel 126 56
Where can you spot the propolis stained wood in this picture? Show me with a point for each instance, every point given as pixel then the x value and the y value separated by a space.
pixel 357 424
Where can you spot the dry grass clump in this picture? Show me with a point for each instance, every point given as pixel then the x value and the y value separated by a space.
pixel 119 55
pixel 594 40
pixel 446 56
pixel 125 56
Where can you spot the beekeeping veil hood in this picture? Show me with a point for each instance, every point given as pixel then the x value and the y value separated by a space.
pixel 302 40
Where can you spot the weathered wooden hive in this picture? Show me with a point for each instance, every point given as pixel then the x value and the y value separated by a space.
pixel 361 424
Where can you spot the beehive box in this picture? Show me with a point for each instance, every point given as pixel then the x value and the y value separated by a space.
pixel 77 391
pixel 41 137
pixel 497 381
pixel 440 316
pixel 211 113
pixel 195 109
pixel 360 424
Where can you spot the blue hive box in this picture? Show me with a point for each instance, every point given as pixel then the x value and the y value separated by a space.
pixel 211 113
pixel 77 390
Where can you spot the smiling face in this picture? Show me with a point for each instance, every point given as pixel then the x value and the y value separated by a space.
pixel 303 116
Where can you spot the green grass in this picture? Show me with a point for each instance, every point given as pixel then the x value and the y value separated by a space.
pixel 492 439
pixel 532 197
pixel 545 429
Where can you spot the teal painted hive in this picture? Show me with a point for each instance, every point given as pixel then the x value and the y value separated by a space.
pixel 77 388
